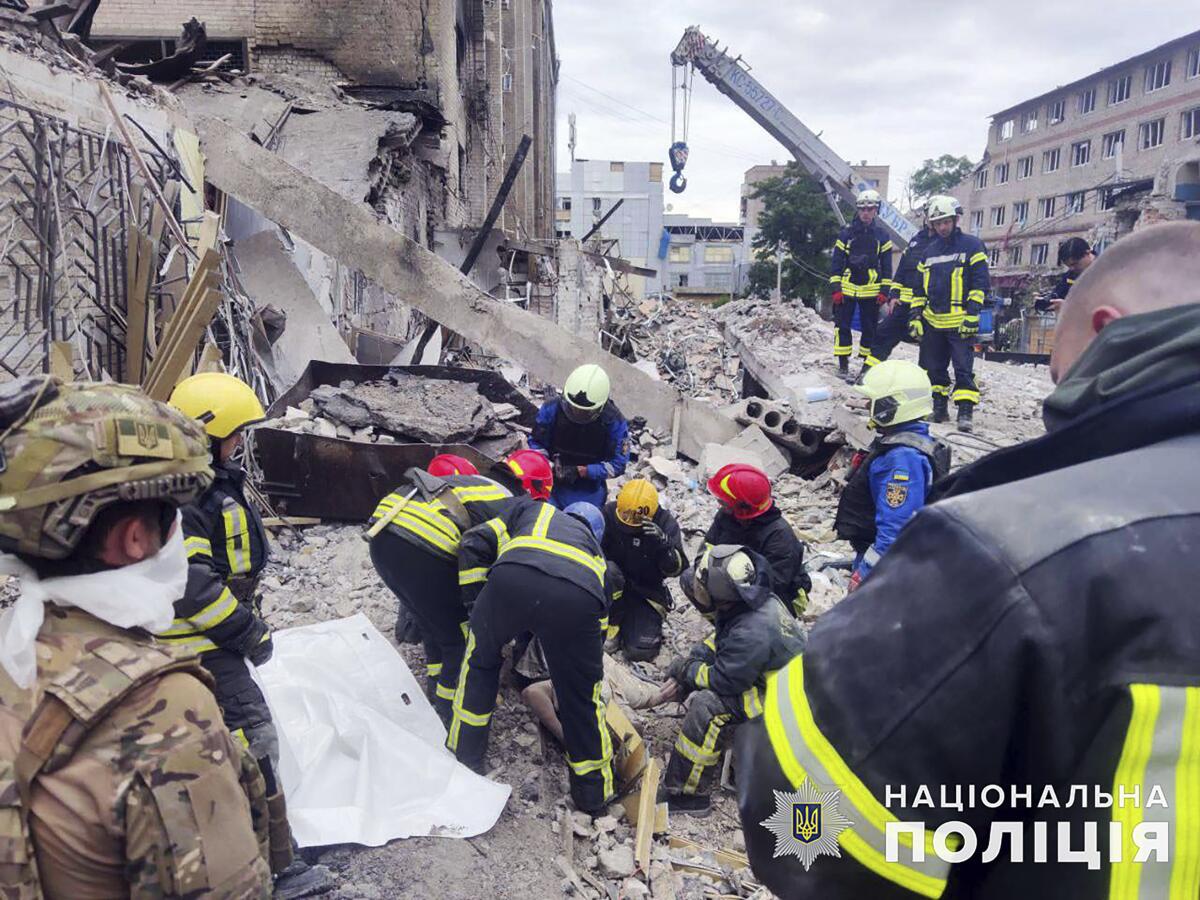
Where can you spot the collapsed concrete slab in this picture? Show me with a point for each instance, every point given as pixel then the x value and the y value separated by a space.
pixel 352 233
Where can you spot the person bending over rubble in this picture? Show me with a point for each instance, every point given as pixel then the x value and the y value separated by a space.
pixel 414 537
pixel 219 616
pixel 749 517
pixel 725 675
pixel 534 568
pixel 585 436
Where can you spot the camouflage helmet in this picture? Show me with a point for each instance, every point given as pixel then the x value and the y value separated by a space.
pixel 67 451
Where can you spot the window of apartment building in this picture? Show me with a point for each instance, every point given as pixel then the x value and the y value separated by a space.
pixel 564 203
pixel 679 253
pixel 1038 254
pixel 1051 160
pixel 1006 129
pixel 1075 201
pixel 1114 143
pixel 1056 111
pixel 994 256
pixel 1158 75
pixel 1119 89
pixel 998 215
pixel 1020 212
pixel 1193 63
pixel 1002 173
pixel 981 179
pixel 722 281
pixel 506 82
pixel 1024 167
pixel 1014 254
pixel 595 204
pixel 562 234
pixel 1150 134
pixel 977 221
pixel 1087 101
pixel 1029 121
pixel 679 279
pixel 1106 199
pixel 1191 124
pixel 718 254
pixel 1081 153
pixel 1046 207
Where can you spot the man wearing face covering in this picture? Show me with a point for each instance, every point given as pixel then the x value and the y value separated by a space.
pixel 219 616
pixel 120 779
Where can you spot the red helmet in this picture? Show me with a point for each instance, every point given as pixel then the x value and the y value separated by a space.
pixel 448 464
pixel 534 471
pixel 743 490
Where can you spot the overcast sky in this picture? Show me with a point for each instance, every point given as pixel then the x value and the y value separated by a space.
pixel 890 83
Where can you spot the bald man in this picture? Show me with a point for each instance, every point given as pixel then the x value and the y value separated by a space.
pixel 1047 664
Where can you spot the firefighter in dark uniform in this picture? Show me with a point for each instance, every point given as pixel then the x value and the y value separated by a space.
pixel 536 569
pixel 645 542
pixel 890 482
pixel 1076 254
pixel 950 294
pixel 726 674
pixel 860 277
pixel 416 555
pixel 219 616
pixel 585 436
pixel 749 517
pixel 898 323
pixel 1010 637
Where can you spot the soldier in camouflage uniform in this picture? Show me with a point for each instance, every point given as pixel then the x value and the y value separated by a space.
pixel 117 775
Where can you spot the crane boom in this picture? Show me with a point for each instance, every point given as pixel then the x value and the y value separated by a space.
pixel 733 80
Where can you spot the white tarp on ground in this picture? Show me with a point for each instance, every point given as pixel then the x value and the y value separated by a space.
pixel 363 759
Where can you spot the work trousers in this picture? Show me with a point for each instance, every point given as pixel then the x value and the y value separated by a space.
pixel 569 623
pixel 427 585
pixel 708 728
pixel 637 617
pixel 843 316
pixel 890 332
pixel 941 347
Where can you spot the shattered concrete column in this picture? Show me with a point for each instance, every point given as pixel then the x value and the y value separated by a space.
pixel 577 300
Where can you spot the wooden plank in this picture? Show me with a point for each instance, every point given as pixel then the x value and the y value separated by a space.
pixel 140 272
pixel 210 231
pixel 210 359
pixel 195 286
pixel 730 858
pixel 646 813
pixel 631 752
pixel 62 360
pixel 290 521
pixel 186 328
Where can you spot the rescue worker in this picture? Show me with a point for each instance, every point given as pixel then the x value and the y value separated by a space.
pixel 534 568
pixel 1076 254
pixel 748 517
pixel 585 436
pixel 416 556
pixel 219 615
pixel 645 542
pixel 889 483
pixel 861 278
pixel 120 778
pixel 949 295
pixel 726 674
pixel 899 321
pixel 1011 638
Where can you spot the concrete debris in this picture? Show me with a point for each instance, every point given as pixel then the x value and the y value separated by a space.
pixel 617 862
pixel 774 461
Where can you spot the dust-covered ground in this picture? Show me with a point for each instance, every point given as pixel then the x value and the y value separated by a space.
pixel 540 847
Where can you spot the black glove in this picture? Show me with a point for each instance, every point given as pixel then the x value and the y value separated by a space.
pixel 564 474
pixel 261 652
pixel 677 670
pixel 652 534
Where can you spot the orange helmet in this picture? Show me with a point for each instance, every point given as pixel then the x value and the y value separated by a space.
pixel 448 464
pixel 743 490
pixel 534 471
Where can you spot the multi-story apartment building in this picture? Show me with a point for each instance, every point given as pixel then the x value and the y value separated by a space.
pixel 1086 159
pixel 704 257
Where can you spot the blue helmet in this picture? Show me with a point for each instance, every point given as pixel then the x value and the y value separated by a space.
pixel 590 516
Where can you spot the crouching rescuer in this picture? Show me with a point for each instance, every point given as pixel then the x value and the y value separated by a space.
pixel 890 482
pixel 726 674
pixel 534 568
pixel 220 614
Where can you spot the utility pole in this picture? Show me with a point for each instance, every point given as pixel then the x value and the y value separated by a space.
pixel 778 273
pixel 571 141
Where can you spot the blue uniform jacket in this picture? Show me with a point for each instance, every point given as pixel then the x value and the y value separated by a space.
pixel 900 481
pixel 610 459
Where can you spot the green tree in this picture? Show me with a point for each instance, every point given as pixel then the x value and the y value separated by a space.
pixel 798 221
pixel 937 176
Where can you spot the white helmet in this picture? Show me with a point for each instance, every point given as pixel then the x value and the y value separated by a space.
pixel 942 207
pixel 868 198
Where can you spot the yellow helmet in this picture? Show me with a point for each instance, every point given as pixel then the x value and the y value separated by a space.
pixel 899 392
pixel 637 502
pixel 221 402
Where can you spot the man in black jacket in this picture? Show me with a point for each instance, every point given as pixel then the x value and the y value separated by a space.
pixel 1053 650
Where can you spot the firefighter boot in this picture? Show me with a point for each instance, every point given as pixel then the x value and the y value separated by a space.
pixel 965 412
pixel 941 408
pixel 844 366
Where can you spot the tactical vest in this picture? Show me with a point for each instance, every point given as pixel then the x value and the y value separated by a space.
pixel 581 444
pixel 855 521
pixel 74 702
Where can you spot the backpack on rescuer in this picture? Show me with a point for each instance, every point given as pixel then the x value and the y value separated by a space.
pixel 855 520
